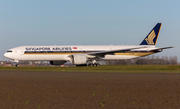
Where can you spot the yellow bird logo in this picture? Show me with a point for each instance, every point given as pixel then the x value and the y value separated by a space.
pixel 150 38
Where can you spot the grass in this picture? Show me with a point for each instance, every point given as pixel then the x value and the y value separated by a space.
pixel 101 104
pixel 105 68
pixel 27 101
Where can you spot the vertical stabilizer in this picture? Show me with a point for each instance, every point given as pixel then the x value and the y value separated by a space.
pixel 152 37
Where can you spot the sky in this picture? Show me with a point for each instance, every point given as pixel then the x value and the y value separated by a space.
pixel 88 22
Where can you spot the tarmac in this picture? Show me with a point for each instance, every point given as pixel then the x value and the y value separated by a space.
pixel 69 90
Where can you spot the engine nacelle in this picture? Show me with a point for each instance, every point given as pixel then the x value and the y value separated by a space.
pixel 57 62
pixel 78 59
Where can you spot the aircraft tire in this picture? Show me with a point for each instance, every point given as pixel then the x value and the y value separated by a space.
pixel 95 65
pixel 89 65
pixel 16 65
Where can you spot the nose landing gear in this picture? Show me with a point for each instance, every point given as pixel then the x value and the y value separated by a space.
pixel 16 65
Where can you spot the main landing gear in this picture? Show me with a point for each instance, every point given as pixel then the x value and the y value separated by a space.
pixel 90 64
pixel 95 64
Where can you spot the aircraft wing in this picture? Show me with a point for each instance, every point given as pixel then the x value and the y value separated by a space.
pixel 160 49
pixel 102 53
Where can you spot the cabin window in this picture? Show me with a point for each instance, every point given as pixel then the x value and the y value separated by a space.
pixel 9 51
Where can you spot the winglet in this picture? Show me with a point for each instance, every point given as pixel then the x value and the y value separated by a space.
pixel 152 37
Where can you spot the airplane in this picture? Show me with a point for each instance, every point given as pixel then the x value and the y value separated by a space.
pixel 87 55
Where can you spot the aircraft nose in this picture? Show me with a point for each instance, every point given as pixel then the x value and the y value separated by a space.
pixel 7 55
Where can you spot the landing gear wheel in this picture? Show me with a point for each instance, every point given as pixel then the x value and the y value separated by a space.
pixel 93 64
pixel 17 65
pixel 89 65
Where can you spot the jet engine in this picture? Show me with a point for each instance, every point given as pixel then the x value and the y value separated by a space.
pixel 57 62
pixel 78 59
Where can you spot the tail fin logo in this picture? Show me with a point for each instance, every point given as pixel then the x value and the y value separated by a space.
pixel 150 38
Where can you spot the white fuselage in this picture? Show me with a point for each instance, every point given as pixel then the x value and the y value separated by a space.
pixel 58 53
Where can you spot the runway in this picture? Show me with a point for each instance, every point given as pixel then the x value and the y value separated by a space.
pixel 69 90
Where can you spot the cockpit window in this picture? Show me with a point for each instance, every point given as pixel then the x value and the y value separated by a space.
pixel 9 51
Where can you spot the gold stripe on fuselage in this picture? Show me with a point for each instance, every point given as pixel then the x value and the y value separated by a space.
pixel 71 53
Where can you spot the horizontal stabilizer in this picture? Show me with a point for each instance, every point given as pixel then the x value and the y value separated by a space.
pixel 160 49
